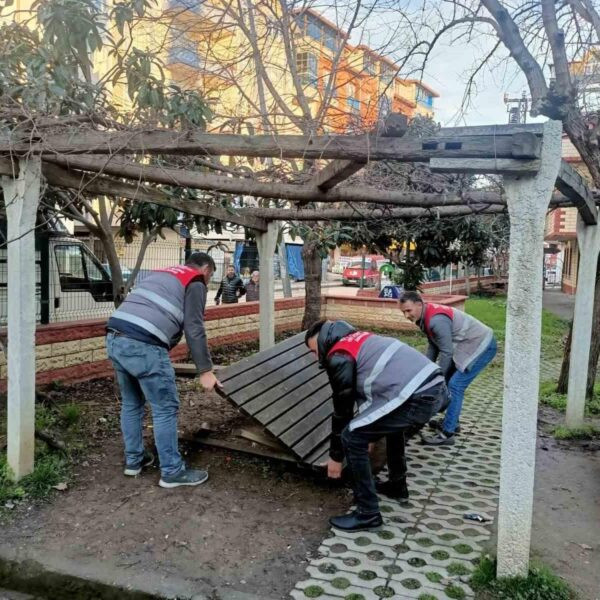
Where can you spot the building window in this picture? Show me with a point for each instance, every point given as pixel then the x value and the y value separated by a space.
pixel 368 64
pixel 424 97
pixel 306 64
pixel 352 100
pixel 312 27
pixel 387 74
pixel 184 51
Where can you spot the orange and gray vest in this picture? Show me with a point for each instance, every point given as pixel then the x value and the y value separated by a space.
pixel 388 373
pixel 156 305
pixel 470 337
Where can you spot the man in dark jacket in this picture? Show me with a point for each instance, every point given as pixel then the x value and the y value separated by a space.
pixel 463 347
pixel 231 288
pixel 140 334
pixel 253 288
pixel 396 390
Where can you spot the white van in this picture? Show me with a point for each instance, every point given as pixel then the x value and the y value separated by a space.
pixel 71 284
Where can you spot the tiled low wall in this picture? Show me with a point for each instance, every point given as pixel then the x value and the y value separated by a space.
pixel 456 286
pixel 75 351
pixel 378 312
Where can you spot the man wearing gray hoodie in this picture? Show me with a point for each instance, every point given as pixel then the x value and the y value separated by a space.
pixel 396 391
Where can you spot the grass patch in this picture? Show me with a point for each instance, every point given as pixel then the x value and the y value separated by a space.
pixel 583 432
pixel 550 397
pixel 540 584
pixel 492 312
pixel 50 470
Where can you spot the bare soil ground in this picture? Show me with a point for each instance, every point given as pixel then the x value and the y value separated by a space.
pixel 566 519
pixel 251 527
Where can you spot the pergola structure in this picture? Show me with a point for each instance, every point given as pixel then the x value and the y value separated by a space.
pixel 93 161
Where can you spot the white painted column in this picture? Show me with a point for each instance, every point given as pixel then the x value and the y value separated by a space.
pixel 528 198
pixel 21 197
pixel 266 243
pixel 588 239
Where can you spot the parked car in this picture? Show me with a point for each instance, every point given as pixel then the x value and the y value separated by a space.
pixel 354 272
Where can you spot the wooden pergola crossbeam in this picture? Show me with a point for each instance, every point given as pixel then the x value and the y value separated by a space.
pixel 360 148
pixel 573 186
pixel 335 172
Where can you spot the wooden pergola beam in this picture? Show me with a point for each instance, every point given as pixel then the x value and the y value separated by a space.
pixel 359 214
pixel 523 145
pixel 335 172
pixel 573 186
pixel 99 185
pixel 120 167
pixel 395 125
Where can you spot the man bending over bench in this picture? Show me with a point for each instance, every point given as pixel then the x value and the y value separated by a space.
pixel 397 390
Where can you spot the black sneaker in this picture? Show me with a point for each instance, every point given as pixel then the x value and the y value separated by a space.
pixel 147 461
pixel 437 424
pixel 184 477
pixel 397 490
pixel 357 521
pixel 441 438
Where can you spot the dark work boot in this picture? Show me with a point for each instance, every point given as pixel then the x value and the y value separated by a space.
pixel 357 521
pixel 397 490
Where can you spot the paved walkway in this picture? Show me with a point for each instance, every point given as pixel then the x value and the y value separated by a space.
pixel 425 549
pixel 558 303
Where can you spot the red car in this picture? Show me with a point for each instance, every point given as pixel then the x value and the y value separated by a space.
pixel 354 272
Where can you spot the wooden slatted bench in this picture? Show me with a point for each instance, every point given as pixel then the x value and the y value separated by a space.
pixel 284 390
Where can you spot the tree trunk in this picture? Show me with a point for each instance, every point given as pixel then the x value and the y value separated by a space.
pixel 312 283
pixel 563 378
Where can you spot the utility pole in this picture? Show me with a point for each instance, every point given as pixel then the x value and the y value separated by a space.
pixel 517 109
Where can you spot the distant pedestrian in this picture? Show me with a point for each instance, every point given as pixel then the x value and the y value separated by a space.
pixel 252 289
pixel 463 347
pixel 231 288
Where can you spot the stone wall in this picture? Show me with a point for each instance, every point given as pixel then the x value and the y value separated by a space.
pixel 75 351
pixel 378 312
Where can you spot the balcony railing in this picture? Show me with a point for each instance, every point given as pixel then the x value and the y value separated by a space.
pixel 181 5
pixel 184 56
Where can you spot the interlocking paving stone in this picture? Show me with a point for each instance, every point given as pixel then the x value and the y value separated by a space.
pixel 410 555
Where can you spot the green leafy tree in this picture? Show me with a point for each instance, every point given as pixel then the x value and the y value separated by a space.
pixel 47 79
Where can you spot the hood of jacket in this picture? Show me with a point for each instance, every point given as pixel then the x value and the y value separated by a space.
pixel 331 333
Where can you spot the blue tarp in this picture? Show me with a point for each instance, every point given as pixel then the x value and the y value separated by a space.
pixel 237 255
pixel 294 259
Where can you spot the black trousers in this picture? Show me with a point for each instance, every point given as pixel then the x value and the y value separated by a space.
pixel 397 427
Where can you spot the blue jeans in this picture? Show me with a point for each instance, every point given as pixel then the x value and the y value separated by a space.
pixel 460 381
pixel 145 373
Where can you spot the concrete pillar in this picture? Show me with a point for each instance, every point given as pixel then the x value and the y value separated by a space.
pixel 266 243
pixel 588 239
pixel 21 198
pixel 528 197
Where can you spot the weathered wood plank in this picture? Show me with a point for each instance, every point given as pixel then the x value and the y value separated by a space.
pixel 307 444
pixel 290 357
pixel 571 184
pixel 262 385
pixel 303 427
pixel 501 166
pixel 294 412
pixel 346 147
pixel 319 455
pixel 281 390
pixel 257 359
